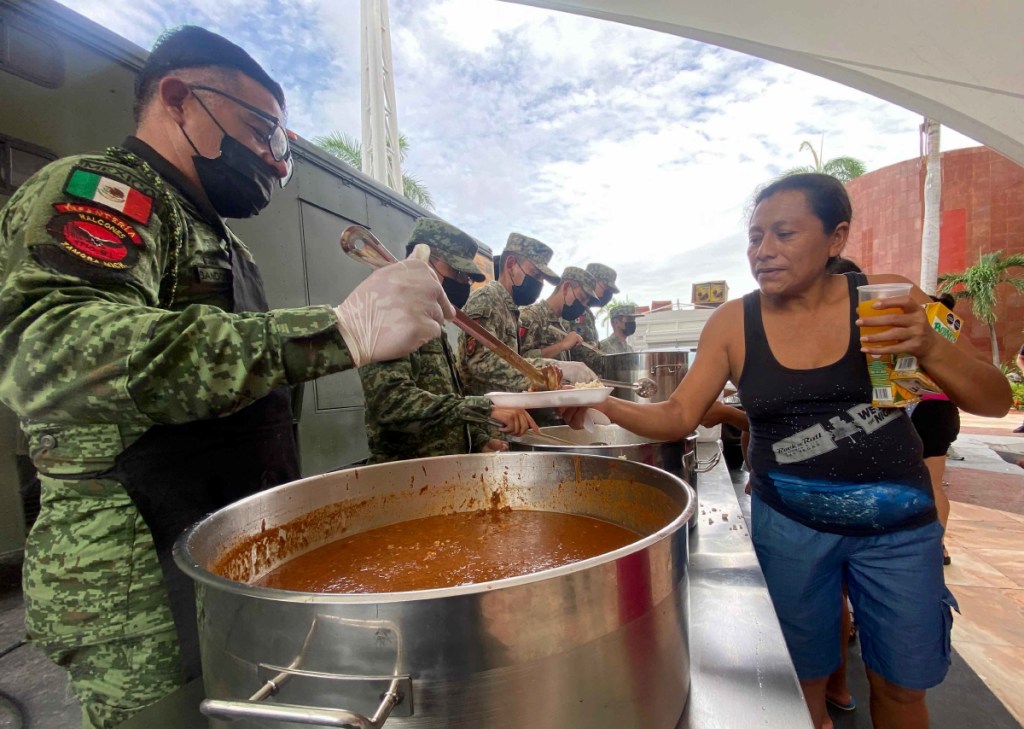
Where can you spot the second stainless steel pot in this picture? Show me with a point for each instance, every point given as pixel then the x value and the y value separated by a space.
pixel 665 366
pixel 676 457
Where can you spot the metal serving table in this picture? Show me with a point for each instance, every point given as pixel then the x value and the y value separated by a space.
pixel 740 671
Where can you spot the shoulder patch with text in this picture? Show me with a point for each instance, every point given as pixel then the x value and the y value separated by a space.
pixel 110 193
pixel 89 241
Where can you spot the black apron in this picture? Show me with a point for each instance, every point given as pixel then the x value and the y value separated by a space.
pixel 176 474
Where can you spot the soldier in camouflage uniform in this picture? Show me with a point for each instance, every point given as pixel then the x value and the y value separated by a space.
pixel 584 325
pixel 541 322
pixel 149 377
pixel 623 320
pixel 415 407
pixel 523 267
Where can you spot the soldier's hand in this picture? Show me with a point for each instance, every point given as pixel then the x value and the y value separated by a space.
pixel 571 340
pixel 396 310
pixel 494 446
pixel 575 372
pixel 515 420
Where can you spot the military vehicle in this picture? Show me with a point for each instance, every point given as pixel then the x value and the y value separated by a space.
pixel 67 87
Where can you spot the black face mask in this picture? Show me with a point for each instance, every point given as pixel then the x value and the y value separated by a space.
pixel 457 293
pixel 238 182
pixel 527 292
pixel 629 329
pixel 605 298
pixel 573 311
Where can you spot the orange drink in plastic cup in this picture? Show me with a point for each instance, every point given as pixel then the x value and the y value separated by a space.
pixel 866 297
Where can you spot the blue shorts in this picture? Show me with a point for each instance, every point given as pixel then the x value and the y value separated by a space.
pixel 900 601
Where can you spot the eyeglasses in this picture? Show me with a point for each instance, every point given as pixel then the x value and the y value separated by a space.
pixel 276 139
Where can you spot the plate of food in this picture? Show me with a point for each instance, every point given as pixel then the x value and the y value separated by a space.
pixel 583 395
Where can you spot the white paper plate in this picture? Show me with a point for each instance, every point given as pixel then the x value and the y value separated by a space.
pixel 554 399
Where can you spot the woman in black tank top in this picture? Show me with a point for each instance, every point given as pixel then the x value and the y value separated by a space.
pixel 842 479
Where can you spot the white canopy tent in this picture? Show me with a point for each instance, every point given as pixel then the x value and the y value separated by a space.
pixel 961 63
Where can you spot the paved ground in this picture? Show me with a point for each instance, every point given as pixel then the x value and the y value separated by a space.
pixel 985 538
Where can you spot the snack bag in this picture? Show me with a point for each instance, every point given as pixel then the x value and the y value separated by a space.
pixel 898 380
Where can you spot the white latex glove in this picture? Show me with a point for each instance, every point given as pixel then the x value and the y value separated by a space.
pixel 573 372
pixel 395 311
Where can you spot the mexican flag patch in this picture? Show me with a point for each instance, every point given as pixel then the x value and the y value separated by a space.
pixel 110 193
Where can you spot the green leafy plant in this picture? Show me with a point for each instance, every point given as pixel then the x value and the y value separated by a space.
pixel 979 283
pixel 843 169
pixel 1017 390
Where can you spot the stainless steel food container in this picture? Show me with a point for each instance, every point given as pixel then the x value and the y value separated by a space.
pixel 665 366
pixel 598 644
pixel 677 457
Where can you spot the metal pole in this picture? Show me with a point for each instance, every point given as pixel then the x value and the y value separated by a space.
pixel 381 154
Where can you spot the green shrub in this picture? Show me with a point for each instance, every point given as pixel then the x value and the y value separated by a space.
pixel 1017 388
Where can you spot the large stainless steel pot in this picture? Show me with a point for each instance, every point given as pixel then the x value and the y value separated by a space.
pixel 677 457
pixel 599 643
pixel 665 366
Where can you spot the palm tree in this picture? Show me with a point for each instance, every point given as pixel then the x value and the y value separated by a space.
pixel 979 282
pixel 843 169
pixel 349 150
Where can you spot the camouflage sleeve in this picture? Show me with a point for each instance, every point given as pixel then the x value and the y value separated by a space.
pixel 82 341
pixel 589 328
pixel 479 435
pixel 480 364
pixel 589 357
pixel 533 323
pixel 396 403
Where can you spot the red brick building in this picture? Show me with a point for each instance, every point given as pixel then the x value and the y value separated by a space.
pixel 982 211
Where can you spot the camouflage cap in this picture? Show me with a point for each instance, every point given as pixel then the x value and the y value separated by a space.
pixel 534 251
pixel 451 245
pixel 604 274
pixel 627 310
pixel 578 276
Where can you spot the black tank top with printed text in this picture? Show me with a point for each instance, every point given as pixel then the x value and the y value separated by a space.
pixel 819 452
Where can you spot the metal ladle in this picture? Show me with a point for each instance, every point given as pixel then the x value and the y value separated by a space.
pixel 362 245
pixel 645 387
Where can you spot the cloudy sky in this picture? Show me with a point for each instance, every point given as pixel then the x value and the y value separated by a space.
pixel 610 143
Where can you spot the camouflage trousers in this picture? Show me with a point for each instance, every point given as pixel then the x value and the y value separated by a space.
pixel 95 601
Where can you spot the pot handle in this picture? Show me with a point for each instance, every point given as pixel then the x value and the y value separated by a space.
pixel 703 466
pixel 252 708
pixel 670 369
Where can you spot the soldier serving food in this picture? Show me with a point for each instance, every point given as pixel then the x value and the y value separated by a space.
pixel 137 348
pixel 604 290
pixel 523 268
pixel 415 406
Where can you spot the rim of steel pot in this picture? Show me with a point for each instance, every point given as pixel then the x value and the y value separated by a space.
pixel 561 431
pixel 528 444
pixel 184 560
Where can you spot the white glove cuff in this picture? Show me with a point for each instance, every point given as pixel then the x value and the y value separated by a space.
pixel 356 323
